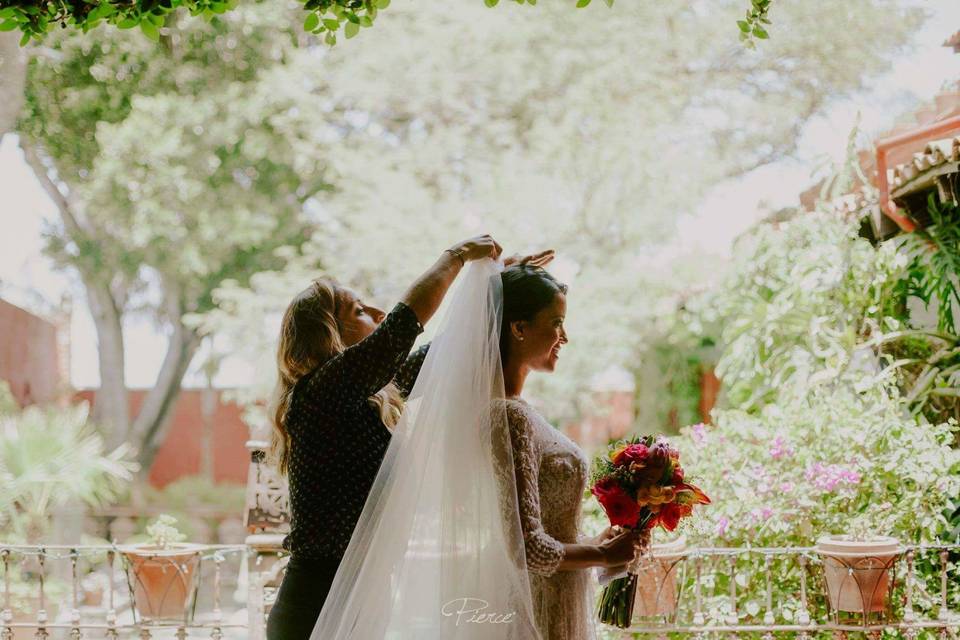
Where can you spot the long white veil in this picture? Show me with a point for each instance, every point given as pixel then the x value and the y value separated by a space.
pixel 438 551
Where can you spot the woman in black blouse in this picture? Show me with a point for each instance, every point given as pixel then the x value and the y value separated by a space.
pixel 343 370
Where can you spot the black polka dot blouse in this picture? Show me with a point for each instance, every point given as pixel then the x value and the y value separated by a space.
pixel 337 439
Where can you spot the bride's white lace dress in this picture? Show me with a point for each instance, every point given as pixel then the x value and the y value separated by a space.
pixel 551 474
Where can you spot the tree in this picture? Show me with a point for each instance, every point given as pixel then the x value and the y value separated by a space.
pixel 324 17
pixel 13 75
pixel 560 129
pixel 173 167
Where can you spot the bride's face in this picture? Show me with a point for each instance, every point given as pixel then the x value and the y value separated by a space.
pixel 538 342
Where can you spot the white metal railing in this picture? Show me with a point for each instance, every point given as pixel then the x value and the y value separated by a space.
pixel 46 590
pixel 87 591
pixel 764 591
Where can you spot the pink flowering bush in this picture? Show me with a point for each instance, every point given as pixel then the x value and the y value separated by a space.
pixel 833 462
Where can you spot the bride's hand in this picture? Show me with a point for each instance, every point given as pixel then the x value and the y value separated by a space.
pixel 536 259
pixel 606 534
pixel 618 549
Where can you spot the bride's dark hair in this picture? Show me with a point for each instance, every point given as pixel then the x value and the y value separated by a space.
pixel 526 290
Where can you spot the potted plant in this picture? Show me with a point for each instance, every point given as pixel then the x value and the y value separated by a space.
pixel 163 572
pixel 657 579
pixel 858 570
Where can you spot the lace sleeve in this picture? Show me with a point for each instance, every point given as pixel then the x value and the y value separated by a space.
pixel 544 553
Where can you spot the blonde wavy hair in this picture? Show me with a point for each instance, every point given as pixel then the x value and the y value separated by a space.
pixel 309 336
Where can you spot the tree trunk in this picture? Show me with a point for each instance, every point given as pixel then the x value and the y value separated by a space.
pixel 152 422
pixel 111 410
pixel 149 427
pixel 112 407
pixel 13 79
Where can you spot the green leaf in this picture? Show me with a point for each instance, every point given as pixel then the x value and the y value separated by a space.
pixel 609 3
pixel 9 25
pixel 582 3
pixel 312 22
pixel 743 26
pixel 331 24
pixel 491 3
pixel 330 38
pixel 25 39
pixel 366 21
pixel 760 32
pixel 128 23
pixel 150 30
pixel 382 4
pixel 7 12
pixel 351 29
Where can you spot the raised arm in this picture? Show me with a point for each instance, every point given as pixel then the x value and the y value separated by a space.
pixel 426 293
pixel 369 365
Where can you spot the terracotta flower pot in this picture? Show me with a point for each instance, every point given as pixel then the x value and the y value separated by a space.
pixel 858 573
pixel 657 579
pixel 163 579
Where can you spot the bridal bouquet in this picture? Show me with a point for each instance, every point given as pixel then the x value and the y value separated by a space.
pixel 640 484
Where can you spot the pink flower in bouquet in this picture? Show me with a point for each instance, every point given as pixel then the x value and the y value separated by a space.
pixel 630 454
pixel 621 509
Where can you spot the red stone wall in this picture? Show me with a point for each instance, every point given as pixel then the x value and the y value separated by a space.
pixel 28 355
pixel 181 452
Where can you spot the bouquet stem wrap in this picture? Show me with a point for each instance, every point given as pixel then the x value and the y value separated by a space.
pixel 616 601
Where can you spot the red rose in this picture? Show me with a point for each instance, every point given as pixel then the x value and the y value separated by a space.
pixel 677 475
pixel 633 453
pixel 670 515
pixel 621 509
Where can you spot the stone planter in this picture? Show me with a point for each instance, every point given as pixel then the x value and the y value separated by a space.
pixel 163 581
pixel 858 573
pixel 657 592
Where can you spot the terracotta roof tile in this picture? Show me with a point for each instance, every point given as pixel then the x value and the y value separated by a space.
pixel 953 41
pixel 935 154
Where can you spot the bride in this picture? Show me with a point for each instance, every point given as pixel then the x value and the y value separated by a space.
pixel 471 528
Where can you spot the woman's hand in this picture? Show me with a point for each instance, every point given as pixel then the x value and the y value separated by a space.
pixel 477 248
pixel 618 548
pixel 606 534
pixel 537 259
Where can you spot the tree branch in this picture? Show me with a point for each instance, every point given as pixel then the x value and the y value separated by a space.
pixel 152 422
